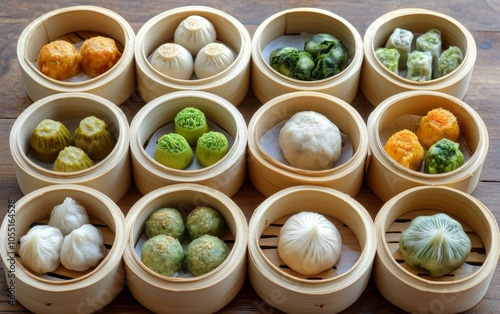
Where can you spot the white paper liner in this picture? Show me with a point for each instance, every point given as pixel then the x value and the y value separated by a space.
pixel 150 145
pixel 270 144
pixel 411 122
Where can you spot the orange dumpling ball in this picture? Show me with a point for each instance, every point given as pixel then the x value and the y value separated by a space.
pixel 99 54
pixel 437 124
pixel 59 60
pixel 404 148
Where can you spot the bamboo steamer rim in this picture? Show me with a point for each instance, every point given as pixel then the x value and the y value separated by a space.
pixel 290 83
pixel 54 177
pixel 312 176
pixel 304 286
pixel 218 107
pixel 112 259
pixel 377 147
pixel 220 79
pixel 418 195
pixel 109 76
pixel 230 264
pixel 457 75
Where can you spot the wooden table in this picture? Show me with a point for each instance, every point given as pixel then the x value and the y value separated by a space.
pixel 481 17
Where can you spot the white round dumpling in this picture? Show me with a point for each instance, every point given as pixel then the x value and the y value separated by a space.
pixel 212 59
pixel 310 141
pixel 40 247
pixel 194 32
pixel 309 243
pixel 83 248
pixel 173 60
pixel 68 216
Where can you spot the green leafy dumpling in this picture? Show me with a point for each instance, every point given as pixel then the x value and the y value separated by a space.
pixel 401 40
pixel 163 254
pixel 389 57
pixel 211 147
pixel 331 62
pixel 71 159
pixel 206 253
pixel 430 41
pixel 173 151
pixel 48 138
pixel 167 221
pixel 436 244
pixel 443 156
pixel 292 62
pixel 93 137
pixel 191 124
pixel 321 43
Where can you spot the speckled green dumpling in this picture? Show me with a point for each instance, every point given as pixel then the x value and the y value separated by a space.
pixel 205 220
pixel 163 254
pixel 206 253
pixel 168 221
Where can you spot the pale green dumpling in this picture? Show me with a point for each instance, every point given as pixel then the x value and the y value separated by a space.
pixel 167 221
pixel 205 220
pixel 436 244
pixel 211 147
pixel 163 254
pixel 206 253
pixel 191 124
pixel 71 159
pixel 173 151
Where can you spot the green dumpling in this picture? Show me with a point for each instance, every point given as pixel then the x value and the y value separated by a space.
pixel 71 159
pixel 173 151
pixel 205 220
pixel 191 124
pixel 211 148
pixel 443 156
pixel 48 139
pixel 93 137
pixel 167 221
pixel 206 253
pixel 163 254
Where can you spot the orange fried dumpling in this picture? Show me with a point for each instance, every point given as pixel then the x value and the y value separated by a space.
pixel 437 124
pixel 404 148
pixel 59 60
pixel 99 54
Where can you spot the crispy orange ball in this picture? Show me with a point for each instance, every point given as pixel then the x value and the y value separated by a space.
pixel 404 148
pixel 99 54
pixel 437 124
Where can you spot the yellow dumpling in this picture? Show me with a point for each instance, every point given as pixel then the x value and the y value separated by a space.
pixel 404 148
pixel 437 124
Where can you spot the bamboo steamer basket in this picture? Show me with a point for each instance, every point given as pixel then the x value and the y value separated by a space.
pixel 226 175
pixel 75 24
pixel 207 293
pixel 386 177
pixel 330 291
pixel 268 83
pixel 270 175
pixel 64 291
pixel 378 83
pixel 412 290
pixel 111 175
pixel 231 84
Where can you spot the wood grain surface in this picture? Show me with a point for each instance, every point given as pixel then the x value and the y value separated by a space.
pixel 481 17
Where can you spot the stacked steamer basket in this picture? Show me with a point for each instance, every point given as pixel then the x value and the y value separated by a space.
pixel 111 175
pixel 268 83
pixel 75 24
pixel 206 293
pixel 64 290
pixel 413 290
pixel 226 175
pixel 378 83
pixel 231 84
pixel 330 291
pixel 270 172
